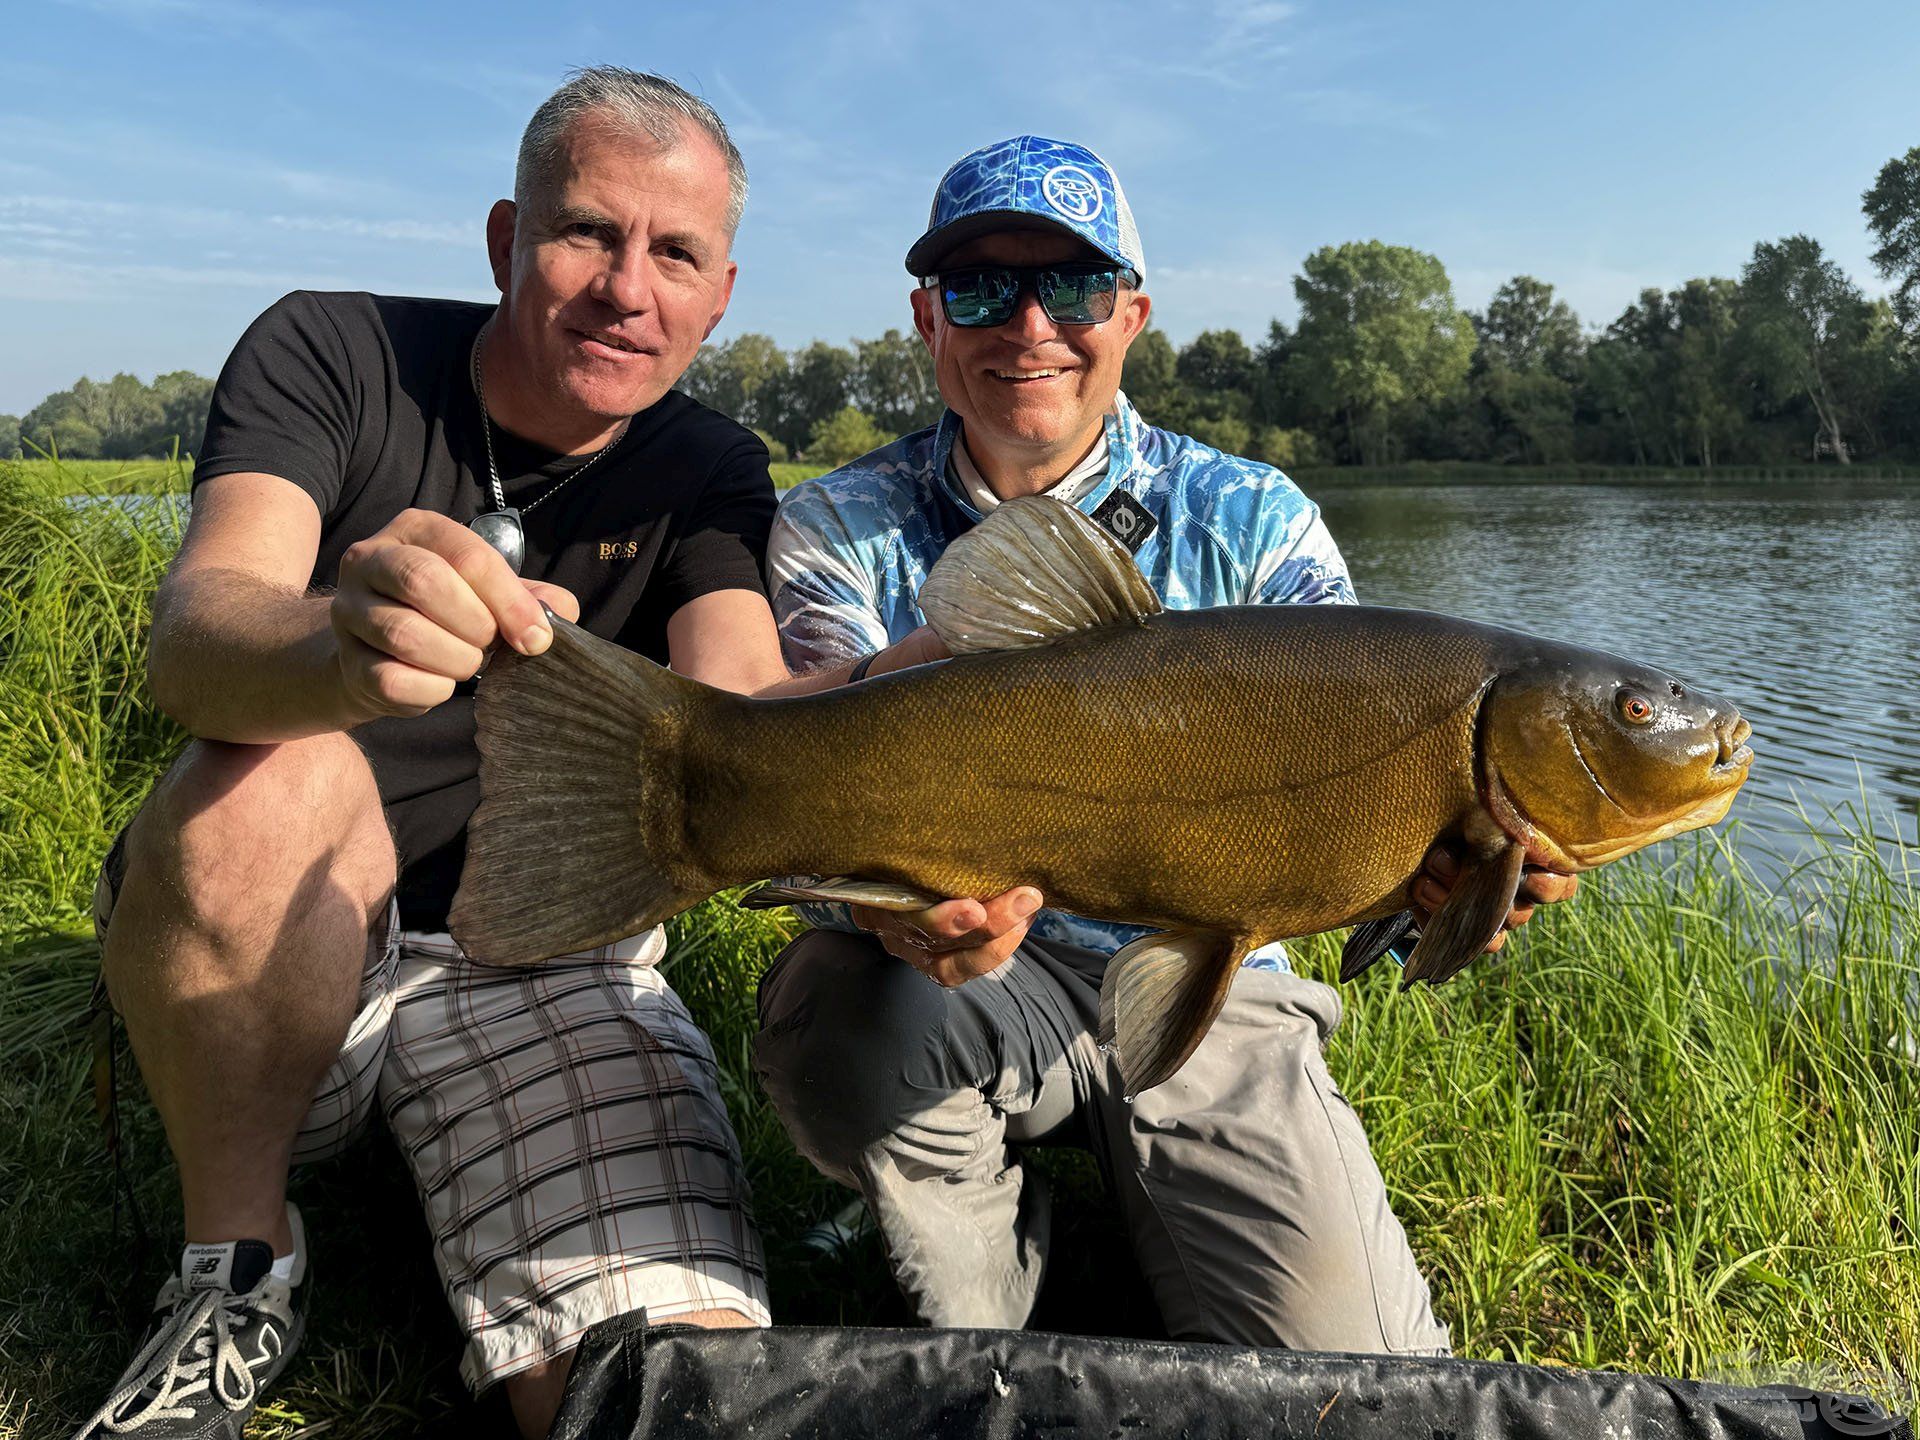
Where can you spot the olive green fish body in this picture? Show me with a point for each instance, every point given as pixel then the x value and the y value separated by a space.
pixel 1226 777
pixel 1201 769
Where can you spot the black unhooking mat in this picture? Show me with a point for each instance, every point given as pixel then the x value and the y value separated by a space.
pixel 802 1383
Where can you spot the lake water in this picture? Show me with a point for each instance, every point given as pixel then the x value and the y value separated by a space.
pixel 1794 600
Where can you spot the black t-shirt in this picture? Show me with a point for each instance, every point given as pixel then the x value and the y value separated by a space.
pixel 365 402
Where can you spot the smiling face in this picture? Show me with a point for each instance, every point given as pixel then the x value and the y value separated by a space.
pixel 1031 392
pixel 609 287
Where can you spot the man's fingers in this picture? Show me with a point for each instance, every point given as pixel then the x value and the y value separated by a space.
pixel 418 579
pixel 522 623
pixel 390 686
pixel 956 940
pixel 412 638
pixel 515 613
pixel 1548 887
pixel 556 598
pixel 965 924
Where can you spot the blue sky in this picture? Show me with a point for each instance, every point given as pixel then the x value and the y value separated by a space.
pixel 169 167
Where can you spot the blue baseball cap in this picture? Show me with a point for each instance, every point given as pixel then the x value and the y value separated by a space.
pixel 1023 182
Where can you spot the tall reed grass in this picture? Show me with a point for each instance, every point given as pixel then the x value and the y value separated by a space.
pixel 1676 1128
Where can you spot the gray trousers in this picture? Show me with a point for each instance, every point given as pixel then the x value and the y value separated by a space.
pixel 1256 1211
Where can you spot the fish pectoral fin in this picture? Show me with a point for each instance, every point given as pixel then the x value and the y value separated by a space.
pixel 1371 940
pixel 1034 571
pixel 841 889
pixel 1159 997
pixel 1467 923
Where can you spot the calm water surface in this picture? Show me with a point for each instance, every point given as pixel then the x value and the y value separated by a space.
pixel 1795 600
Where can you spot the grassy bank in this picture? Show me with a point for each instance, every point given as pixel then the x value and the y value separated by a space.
pixel 1677 1129
pixel 152 477
pixel 143 477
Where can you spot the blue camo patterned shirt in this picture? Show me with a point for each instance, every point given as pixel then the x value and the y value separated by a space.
pixel 850 550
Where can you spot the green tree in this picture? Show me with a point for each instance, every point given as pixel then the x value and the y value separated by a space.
pixel 813 387
pixel 1530 356
pixel 1702 379
pixel 1216 362
pixel 1148 373
pixel 185 399
pixel 1227 433
pixel 893 382
pixel 1378 335
pixel 9 437
pixel 845 435
pixel 1801 318
pixel 734 377
pixel 1286 449
pixel 1527 330
pixel 131 417
pixel 73 438
pixel 1893 215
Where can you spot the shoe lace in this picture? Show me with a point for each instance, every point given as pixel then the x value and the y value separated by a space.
pixel 193 1352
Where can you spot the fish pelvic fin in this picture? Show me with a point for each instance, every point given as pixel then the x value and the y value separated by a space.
pixel 1371 940
pixel 841 889
pixel 580 835
pixel 1474 913
pixel 1159 997
pixel 1034 571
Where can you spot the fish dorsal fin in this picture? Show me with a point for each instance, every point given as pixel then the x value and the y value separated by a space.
pixel 1034 571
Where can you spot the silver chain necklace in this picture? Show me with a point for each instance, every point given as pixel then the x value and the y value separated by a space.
pixel 500 527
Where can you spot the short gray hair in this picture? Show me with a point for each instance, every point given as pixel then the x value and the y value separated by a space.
pixel 650 104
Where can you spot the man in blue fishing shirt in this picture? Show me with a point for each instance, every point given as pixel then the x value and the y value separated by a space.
pixel 1255 1209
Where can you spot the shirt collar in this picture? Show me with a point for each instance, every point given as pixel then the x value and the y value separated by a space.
pixel 1123 426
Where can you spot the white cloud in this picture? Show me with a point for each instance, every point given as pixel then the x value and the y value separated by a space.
pixel 49 279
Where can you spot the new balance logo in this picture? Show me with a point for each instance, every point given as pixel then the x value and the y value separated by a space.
pixel 205 1265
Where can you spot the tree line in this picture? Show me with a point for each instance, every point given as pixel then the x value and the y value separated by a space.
pixel 1788 363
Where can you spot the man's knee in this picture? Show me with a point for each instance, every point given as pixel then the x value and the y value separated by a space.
pixel 237 837
pixel 852 1044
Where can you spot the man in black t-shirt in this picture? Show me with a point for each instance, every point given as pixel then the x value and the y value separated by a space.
pixel 270 918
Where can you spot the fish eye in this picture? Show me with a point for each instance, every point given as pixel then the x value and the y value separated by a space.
pixel 1634 709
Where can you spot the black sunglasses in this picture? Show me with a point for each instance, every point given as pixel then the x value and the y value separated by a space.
pixel 979 296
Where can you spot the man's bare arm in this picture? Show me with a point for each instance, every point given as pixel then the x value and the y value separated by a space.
pixel 241 652
pixel 727 639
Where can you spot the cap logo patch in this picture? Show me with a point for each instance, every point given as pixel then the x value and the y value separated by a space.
pixel 1070 190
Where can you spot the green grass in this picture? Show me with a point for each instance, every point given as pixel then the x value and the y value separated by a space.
pixel 102 477
pixel 787 474
pixel 1676 1129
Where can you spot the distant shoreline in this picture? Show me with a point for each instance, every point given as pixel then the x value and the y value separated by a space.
pixel 144 477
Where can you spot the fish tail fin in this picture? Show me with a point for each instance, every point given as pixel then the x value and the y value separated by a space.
pixel 579 837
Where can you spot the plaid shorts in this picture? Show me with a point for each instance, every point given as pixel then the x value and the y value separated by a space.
pixel 564 1127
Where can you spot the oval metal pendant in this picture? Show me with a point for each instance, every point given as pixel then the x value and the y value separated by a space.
pixel 501 529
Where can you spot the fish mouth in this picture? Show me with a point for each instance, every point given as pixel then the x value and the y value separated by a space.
pixel 1734 755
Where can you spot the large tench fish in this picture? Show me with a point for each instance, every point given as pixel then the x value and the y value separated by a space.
pixel 1230 776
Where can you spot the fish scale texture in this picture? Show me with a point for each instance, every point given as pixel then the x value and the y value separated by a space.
pixel 1266 772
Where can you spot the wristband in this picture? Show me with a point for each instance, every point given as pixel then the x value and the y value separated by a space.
pixel 859 671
